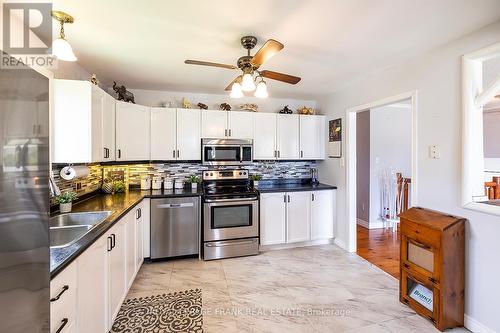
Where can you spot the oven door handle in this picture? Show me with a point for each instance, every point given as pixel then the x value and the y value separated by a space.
pixel 181 205
pixel 231 200
pixel 229 243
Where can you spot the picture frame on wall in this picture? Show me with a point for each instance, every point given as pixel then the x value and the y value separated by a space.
pixel 335 138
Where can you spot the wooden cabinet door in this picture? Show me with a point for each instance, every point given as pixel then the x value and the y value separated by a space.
pixel 272 218
pixel 108 128
pixel 117 270
pixel 188 134
pixel 214 124
pixel 130 245
pixel 298 213
pixel 321 214
pixel 163 134
pixel 312 137
pixel 240 125
pixel 288 136
pixel 264 143
pixel 132 132
pixel 92 306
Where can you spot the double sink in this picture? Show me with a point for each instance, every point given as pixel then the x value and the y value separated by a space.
pixel 66 229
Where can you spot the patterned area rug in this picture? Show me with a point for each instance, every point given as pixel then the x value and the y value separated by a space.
pixel 174 312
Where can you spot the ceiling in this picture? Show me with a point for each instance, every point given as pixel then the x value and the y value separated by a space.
pixel 143 44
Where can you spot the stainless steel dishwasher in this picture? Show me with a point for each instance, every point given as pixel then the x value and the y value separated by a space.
pixel 175 227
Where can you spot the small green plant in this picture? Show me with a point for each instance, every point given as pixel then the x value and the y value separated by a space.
pixel 119 186
pixel 66 197
pixel 255 177
pixel 193 179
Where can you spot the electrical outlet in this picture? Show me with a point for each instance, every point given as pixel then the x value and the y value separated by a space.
pixel 434 152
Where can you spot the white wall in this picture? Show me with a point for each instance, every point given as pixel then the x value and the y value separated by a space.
pixel 437 78
pixel 157 98
pixel 390 148
pixel 363 167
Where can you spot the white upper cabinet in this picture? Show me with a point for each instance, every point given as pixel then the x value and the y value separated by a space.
pixel 312 137
pixel 163 134
pixel 264 142
pixel 298 217
pixel 288 136
pixel 272 218
pixel 214 124
pixel 322 209
pixel 240 125
pixel 188 134
pixel 77 122
pixel 132 132
pixel 108 128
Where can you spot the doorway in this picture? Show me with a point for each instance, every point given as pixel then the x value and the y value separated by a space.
pixel 381 164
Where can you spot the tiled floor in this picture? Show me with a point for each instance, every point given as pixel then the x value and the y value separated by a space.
pixel 309 289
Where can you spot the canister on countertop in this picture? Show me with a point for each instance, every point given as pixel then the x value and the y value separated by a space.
pixel 145 183
pixel 168 183
pixel 157 181
pixel 179 183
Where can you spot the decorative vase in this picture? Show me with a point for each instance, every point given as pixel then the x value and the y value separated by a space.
pixel 107 187
pixel 65 207
pixel 194 186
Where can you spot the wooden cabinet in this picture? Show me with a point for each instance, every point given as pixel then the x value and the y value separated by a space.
pixel 264 143
pixel 322 209
pixel 132 132
pixel 78 115
pixel 312 137
pixel 117 287
pixel 188 134
pixel 287 133
pixel 298 215
pixel 163 134
pixel 92 296
pixel 273 218
pixel 63 298
pixel 240 125
pixel 432 266
pixel 214 124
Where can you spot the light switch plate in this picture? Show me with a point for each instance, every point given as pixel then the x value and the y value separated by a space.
pixel 434 152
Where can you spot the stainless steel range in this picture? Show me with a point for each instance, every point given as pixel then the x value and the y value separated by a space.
pixel 230 215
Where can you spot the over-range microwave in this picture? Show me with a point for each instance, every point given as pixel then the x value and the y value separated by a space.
pixel 227 151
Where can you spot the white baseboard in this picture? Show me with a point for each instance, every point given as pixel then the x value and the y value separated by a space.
pixel 340 244
pixel 273 247
pixel 363 223
pixel 474 326
pixel 372 225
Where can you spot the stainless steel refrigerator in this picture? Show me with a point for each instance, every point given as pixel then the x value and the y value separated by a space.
pixel 24 201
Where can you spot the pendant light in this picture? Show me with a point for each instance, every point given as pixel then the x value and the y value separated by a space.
pixel 247 82
pixel 261 91
pixel 61 49
pixel 236 91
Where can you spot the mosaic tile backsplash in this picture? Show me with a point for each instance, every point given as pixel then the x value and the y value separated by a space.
pixel 132 173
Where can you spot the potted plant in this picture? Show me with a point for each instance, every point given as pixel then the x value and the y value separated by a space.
pixel 64 200
pixel 119 186
pixel 255 178
pixel 194 180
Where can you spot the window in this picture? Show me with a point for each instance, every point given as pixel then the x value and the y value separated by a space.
pixel 481 130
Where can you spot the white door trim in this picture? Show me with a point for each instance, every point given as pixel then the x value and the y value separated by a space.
pixel 351 158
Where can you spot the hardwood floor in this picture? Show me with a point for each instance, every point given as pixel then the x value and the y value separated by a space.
pixel 380 247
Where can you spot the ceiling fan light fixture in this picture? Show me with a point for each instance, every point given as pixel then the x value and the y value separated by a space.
pixel 236 91
pixel 247 83
pixel 261 91
pixel 61 49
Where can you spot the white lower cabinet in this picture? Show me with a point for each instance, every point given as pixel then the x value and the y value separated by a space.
pixel 296 216
pixel 63 297
pixel 117 287
pixel 92 315
pixel 146 224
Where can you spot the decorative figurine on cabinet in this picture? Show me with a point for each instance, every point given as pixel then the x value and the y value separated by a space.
pixel 225 107
pixel 123 93
pixel 186 104
pixel 202 106
pixel 286 110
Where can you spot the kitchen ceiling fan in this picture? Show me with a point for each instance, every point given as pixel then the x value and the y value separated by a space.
pixel 249 65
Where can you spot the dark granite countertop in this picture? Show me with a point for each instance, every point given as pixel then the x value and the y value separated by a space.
pixel 291 185
pixel 119 205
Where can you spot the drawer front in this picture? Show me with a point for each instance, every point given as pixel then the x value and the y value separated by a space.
pixel 421 234
pixel 63 300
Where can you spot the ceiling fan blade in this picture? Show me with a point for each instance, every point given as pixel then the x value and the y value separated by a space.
pixel 280 77
pixel 206 63
pixel 228 88
pixel 270 48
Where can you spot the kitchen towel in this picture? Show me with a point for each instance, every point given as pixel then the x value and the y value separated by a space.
pixel 72 172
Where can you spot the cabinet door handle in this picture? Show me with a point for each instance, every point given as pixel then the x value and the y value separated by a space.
pixel 420 244
pixel 301 154
pixel 275 154
pixel 278 154
pixel 110 243
pixel 173 153
pixel 312 196
pixel 288 198
pixel 63 323
pixel 113 241
pixel 284 197
pixel 119 153
pixel 63 290
pixel 178 154
pixel 229 132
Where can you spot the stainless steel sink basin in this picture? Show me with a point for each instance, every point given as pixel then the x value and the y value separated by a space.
pixel 66 229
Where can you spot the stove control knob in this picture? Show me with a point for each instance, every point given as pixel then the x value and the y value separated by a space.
pixel 241 173
pixel 244 173
pixel 206 173
pixel 211 173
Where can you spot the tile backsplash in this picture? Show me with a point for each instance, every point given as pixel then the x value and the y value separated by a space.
pixel 132 173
